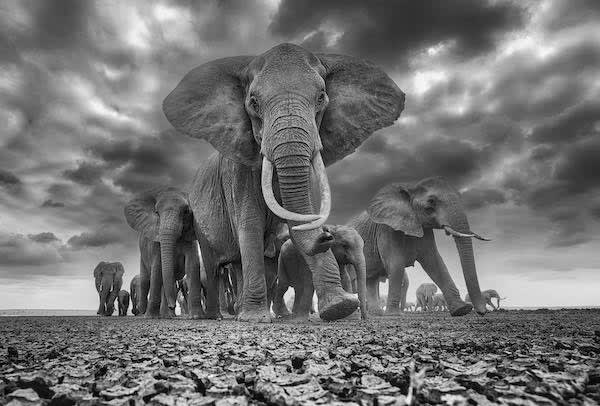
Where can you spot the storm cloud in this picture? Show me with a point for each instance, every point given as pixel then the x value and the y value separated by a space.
pixel 502 101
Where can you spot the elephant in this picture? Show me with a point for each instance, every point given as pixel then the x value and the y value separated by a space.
pixel 439 303
pixel 425 293
pixel 287 111
pixel 123 301
pixel 134 291
pixel 168 249
pixel 397 229
pixel 109 279
pixel 488 295
pixel 347 247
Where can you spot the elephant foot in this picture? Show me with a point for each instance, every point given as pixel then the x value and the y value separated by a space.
pixel 337 304
pixel 254 314
pixel 462 310
pixel 282 312
pixel 378 311
pixel 394 311
pixel 211 315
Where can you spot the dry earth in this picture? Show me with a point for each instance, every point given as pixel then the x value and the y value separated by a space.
pixel 508 357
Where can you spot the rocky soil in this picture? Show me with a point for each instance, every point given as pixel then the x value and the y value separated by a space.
pixel 508 357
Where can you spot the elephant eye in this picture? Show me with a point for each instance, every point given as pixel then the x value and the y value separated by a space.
pixel 253 104
pixel 321 97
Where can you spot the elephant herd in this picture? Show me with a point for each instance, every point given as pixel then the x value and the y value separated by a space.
pixel 253 222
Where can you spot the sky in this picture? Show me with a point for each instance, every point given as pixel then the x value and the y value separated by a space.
pixel 502 99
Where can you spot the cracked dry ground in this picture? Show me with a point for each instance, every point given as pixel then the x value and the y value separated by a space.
pixel 507 357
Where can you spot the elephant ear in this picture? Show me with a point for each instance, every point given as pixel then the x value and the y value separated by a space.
pixel 392 206
pixel 141 214
pixel 98 270
pixel 208 103
pixel 362 100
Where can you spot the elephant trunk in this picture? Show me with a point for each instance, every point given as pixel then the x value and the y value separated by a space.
pixel 360 267
pixel 464 245
pixel 171 227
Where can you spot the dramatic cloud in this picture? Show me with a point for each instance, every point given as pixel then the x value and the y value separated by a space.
pixel 18 250
pixel 46 237
pixel 8 179
pixel 390 33
pixel 502 101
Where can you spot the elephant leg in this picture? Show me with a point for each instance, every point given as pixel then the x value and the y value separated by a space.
pixel 279 307
pixel 254 295
pixel 102 304
pixel 270 278
pixel 345 279
pixel 193 296
pixel 222 283
pixel 373 297
pixel 212 291
pixel 110 302
pixel 394 298
pixel 306 296
pixel 489 302
pixel 434 266
pixel 165 312
pixel 155 295
pixel 404 291
pixel 238 285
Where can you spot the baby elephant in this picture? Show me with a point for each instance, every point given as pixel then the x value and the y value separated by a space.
pixel 123 298
pixel 347 246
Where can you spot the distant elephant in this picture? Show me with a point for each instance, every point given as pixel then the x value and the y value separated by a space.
pixel 134 292
pixel 439 303
pixel 123 301
pixel 425 293
pixel 108 277
pixel 409 306
pixel 488 295
pixel 168 249
pixel 347 247
pixel 398 228
pixel 293 112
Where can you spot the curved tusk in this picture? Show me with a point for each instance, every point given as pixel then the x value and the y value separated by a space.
pixel 319 168
pixel 480 237
pixel 272 204
pixel 450 231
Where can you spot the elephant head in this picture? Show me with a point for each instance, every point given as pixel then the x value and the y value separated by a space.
pixel 292 110
pixel 431 203
pixel 162 214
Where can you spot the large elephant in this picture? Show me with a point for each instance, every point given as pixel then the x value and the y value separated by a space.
pixel 293 112
pixel 425 293
pixel 168 249
pixel 108 277
pixel 488 295
pixel 398 229
pixel 134 292
pixel 123 301
pixel 347 247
